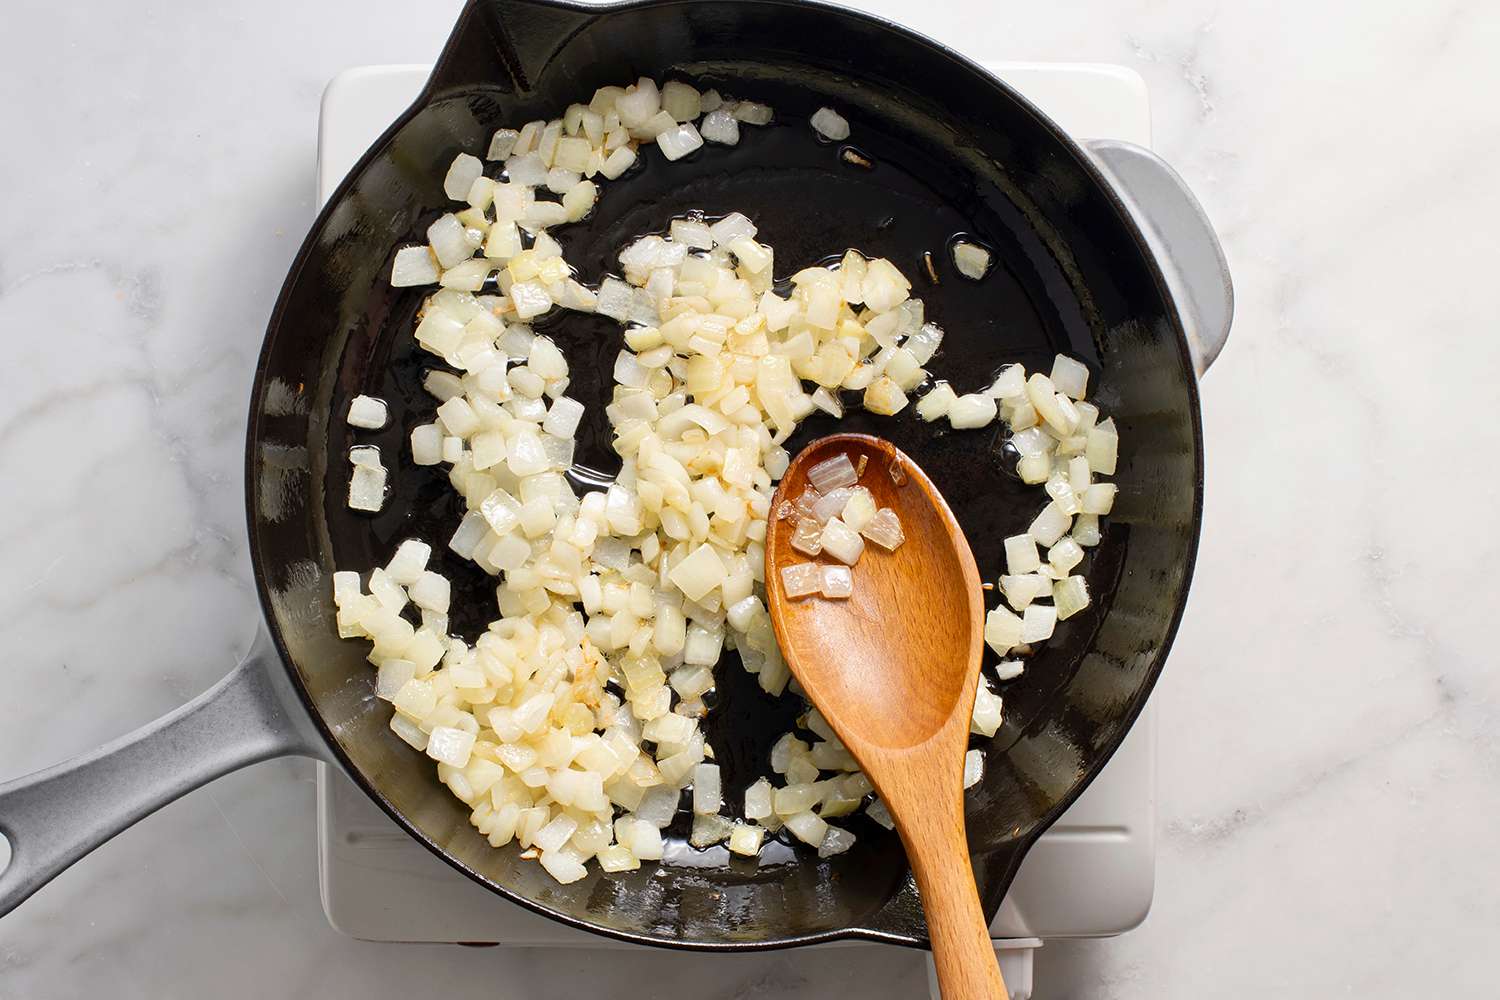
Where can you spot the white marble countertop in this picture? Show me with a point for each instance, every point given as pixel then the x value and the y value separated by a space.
pixel 1329 750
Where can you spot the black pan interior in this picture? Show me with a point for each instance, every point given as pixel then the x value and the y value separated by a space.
pixel 952 153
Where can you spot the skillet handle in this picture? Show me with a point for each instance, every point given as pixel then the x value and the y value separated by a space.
pixel 55 816
pixel 1182 238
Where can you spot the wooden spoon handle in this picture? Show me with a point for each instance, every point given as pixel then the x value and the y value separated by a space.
pixel 967 968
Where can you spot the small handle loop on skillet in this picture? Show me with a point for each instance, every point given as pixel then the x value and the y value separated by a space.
pixel 1182 237
pixel 55 816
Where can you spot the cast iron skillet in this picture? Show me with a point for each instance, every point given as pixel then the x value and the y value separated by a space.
pixel 953 151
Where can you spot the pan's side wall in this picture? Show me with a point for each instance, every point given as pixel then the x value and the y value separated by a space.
pixel 336 316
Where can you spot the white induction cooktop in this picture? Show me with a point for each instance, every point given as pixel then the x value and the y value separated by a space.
pixel 1090 875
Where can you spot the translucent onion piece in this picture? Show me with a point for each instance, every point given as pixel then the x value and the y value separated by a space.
pixel 462 173
pixel 501 144
pixel 1070 596
pixel 835 841
pixel 807 536
pixel 707 798
pixel 971 411
pixel 884 529
pixel 832 473
pixel 1065 554
pixel 1037 623
pixel 675 143
pixel 971 259
pixel 987 710
pixel 807 827
pixel 1002 630
pixel 752 113
pixel 973 768
pixel 1103 446
pixel 805 502
pixel 367 488
pixel 367 412
pixel 744 838
pixel 1010 384
pixel 859 509
pixel 710 829
pixel 1070 377
pixel 831 504
pixel 1008 670
pixel 801 580
pixel 414 266
pixel 1098 498
pixel 721 127
pixel 837 583
pixel 1050 525
pixel 936 404
pixel 842 542
pixel 830 124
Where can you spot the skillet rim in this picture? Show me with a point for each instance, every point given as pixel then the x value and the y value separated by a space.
pixel 1014 853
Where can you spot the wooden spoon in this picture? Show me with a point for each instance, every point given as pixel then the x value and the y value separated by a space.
pixel 893 669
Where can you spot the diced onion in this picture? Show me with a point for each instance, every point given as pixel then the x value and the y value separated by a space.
pixel 971 259
pixel 1037 623
pixel 617 163
pixel 971 411
pixel 450 241
pixel 709 829
pixel 830 124
pixel 936 404
pixel 462 173
pixel 987 711
pixel 885 397
pixel 1050 525
pixel 745 839
pixel 837 583
pixel 682 101
pixel 1086 530
pixel 367 488
pixel 752 113
pixel 501 144
pixel 859 509
pixel 1098 498
pixel 973 768
pixel 677 142
pixel 835 841
pixel 831 504
pixel 807 827
pixel 1021 590
pixel 801 580
pixel 832 473
pixel 414 266
pixel 721 127
pixel 1103 443
pixel 807 536
pixel 367 412
pixel 707 798
pixel 1070 596
pixel 1010 384
pixel 842 542
pixel 732 227
pixel 884 529
pixel 1002 630
pixel 1070 377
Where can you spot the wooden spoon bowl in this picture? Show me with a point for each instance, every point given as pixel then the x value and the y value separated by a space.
pixel 893 669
